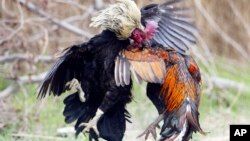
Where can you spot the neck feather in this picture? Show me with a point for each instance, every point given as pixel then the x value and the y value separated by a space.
pixel 150 29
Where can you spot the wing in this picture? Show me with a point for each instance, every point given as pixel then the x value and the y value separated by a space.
pixel 67 67
pixel 80 61
pixel 174 29
pixel 147 64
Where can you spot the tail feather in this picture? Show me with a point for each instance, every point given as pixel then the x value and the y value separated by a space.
pixel 192 115
pixel 74 109
pixel 111 125
pixel 180 125
pixel 77 110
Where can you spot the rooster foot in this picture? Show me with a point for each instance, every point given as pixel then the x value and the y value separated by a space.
pixel 75 84
pixel 92 124
pixel 151 129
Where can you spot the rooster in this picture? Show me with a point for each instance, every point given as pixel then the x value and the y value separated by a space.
pixel 100 71
pixel 173 87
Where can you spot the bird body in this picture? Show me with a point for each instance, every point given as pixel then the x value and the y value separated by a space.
pixel 181 92
pixel 92 64
pixel 178 84
pixel 174 88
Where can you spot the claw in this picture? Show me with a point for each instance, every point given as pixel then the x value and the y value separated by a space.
pixel 92 124
pixel 74 84
pixel 151 129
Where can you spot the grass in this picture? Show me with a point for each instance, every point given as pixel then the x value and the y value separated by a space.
pixel 38 120
pixel 35 119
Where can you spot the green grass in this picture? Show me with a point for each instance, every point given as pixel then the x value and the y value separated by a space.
pixel 35 119
pixel 221 107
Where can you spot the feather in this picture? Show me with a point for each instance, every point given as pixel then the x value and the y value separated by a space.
pixel 121 18
pixel 126 72
pixel 147 64
pixel 121 65
pixel 117 78
pixel 192 116
pixel 137 68
pixel 183 31
pixel 176 42
pixel 174 31
pixel 186 40
pixel 163 41
pixel 136 76
pixel 53 82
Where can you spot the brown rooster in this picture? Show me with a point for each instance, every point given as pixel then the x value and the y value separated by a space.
pixel 177 94
pixel 173 77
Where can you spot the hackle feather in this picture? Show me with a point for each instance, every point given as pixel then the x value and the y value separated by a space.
pixel 122 18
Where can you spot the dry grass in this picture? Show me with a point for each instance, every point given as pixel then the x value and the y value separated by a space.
pixel 224 25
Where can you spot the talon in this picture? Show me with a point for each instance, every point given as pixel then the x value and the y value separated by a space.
pixel 92 124
pixel 89 126
pixel 150 130
pixel 74 84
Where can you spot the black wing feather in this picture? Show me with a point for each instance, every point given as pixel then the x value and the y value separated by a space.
pixel 67 67
pixel 174 29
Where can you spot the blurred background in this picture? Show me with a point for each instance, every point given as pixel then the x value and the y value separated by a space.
pixel 34 32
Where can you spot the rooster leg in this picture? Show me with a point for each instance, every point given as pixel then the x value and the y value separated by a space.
pixel 92 124
pixel 151 128
pixel 74 84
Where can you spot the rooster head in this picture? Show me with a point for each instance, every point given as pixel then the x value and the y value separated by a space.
pixel 124 19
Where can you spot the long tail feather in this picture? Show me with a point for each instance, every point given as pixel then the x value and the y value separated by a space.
pixel 180 124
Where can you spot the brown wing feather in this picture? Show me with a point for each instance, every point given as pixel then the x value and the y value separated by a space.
pixel 179 83
pixel 147 63
pixel 144 55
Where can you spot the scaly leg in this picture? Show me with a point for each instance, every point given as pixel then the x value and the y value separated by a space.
pixel 109 100
pixel 151 128
pixel 74 84
pixel 92 124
